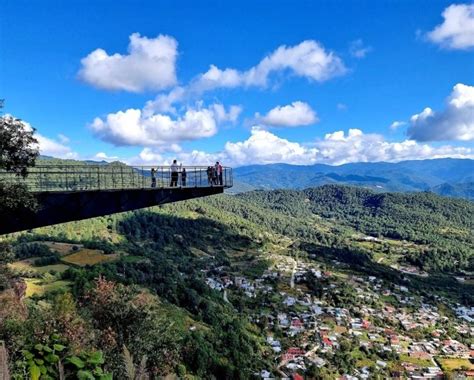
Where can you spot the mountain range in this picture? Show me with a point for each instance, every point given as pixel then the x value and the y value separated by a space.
pixel 447 176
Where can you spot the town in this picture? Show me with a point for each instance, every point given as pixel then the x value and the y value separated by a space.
pixel 315 318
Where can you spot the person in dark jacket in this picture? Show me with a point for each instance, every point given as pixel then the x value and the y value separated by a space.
pixel 209 175
pixel 183 177
pixel 153 177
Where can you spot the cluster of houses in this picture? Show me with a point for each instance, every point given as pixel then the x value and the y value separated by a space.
pixel 304 331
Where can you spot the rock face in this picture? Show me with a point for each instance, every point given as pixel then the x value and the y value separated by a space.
pixel 4 375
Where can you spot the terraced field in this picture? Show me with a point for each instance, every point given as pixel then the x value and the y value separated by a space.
pixel 85 257
pixel 43 279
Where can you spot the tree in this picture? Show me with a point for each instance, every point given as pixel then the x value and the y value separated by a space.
pixel 18 152
pixel 6 256
pixel 18 146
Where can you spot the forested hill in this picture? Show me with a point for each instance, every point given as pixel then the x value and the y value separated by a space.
pixel 433 175
pixel 443 225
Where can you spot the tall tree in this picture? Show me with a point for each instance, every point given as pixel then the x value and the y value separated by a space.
pixel 18 146
pixel 18 152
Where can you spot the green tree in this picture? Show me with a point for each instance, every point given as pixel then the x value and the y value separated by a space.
pixel 18 152
pixel 18 146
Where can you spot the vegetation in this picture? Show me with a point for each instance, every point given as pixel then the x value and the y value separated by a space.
pixel 132 299
pixel 18 152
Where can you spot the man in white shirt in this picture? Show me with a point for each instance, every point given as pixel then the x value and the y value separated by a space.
pixel 174 173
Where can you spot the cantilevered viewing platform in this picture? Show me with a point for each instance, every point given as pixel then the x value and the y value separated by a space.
pixel 73 192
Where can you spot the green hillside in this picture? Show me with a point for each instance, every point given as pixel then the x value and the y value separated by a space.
pixel 152 289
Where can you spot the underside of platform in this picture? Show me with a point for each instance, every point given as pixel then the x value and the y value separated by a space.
pixel 61 207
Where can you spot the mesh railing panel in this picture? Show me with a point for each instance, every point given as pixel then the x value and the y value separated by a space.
pixel 112 177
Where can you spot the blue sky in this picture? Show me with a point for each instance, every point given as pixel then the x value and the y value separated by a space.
pixel 308 81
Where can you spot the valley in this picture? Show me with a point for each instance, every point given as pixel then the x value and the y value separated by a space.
pixel 317 283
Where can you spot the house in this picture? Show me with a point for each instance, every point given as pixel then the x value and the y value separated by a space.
pixel 289 301
pixel 292 353
pixel 327 342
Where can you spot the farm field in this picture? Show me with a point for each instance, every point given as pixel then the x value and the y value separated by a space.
pixel 62 249
pixel 26 266
pixel 451 364
pixel 86 256
pixel 39 287
pixel 420 362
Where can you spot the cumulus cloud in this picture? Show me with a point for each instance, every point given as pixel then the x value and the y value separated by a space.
pixel 102 156
pixel 295 114
pixel 51 147
pixel 397 124
pixel 149 65
pixel 164 102
pixel 457 29
pixel 223 116
pixel 308 59
pixel 140 128
pixel 358 49
pixel 455 122
pixel 264 147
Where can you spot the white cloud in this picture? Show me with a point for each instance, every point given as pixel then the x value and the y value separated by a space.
pixel 63 139
pixel 164 102
pixel 50 147
pixel 223 116
pixel 455 122
pixel 295 114
pixel 264 147
pixel 457 29
pixel 308 59
pixel 149 65
pixel 358 50
pixel 136 127
pixel 102 156
pixel 397 124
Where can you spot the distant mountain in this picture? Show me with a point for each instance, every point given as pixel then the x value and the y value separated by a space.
pixel 457 190
pixel 422 175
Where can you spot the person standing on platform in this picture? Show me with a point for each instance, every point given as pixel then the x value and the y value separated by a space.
pixel 218 169
pixel 153 177
pixel 174 173
pixel 209 175
pixel 183 177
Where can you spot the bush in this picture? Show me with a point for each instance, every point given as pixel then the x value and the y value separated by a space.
pixel 27 250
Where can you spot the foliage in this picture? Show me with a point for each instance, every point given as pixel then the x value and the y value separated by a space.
pixel 6 256
pixel 28 250
pixel 18 146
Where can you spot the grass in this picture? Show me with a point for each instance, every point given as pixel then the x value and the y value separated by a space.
pixel 85 257
pixel 39 287
pixel 451 364
pixel 62 249
pixel 420 362
pixel 26 266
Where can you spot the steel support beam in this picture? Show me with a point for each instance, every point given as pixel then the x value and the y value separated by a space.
pixel 61 207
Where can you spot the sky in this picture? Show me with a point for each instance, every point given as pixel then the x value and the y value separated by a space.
pixel 244 82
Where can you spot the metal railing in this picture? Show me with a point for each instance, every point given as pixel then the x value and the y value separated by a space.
pixel 113 177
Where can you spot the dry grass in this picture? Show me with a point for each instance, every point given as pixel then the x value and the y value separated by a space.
pixel 39 287
pixel 61 248
pixel 86 256
pixel 26 266
pixel 451 364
